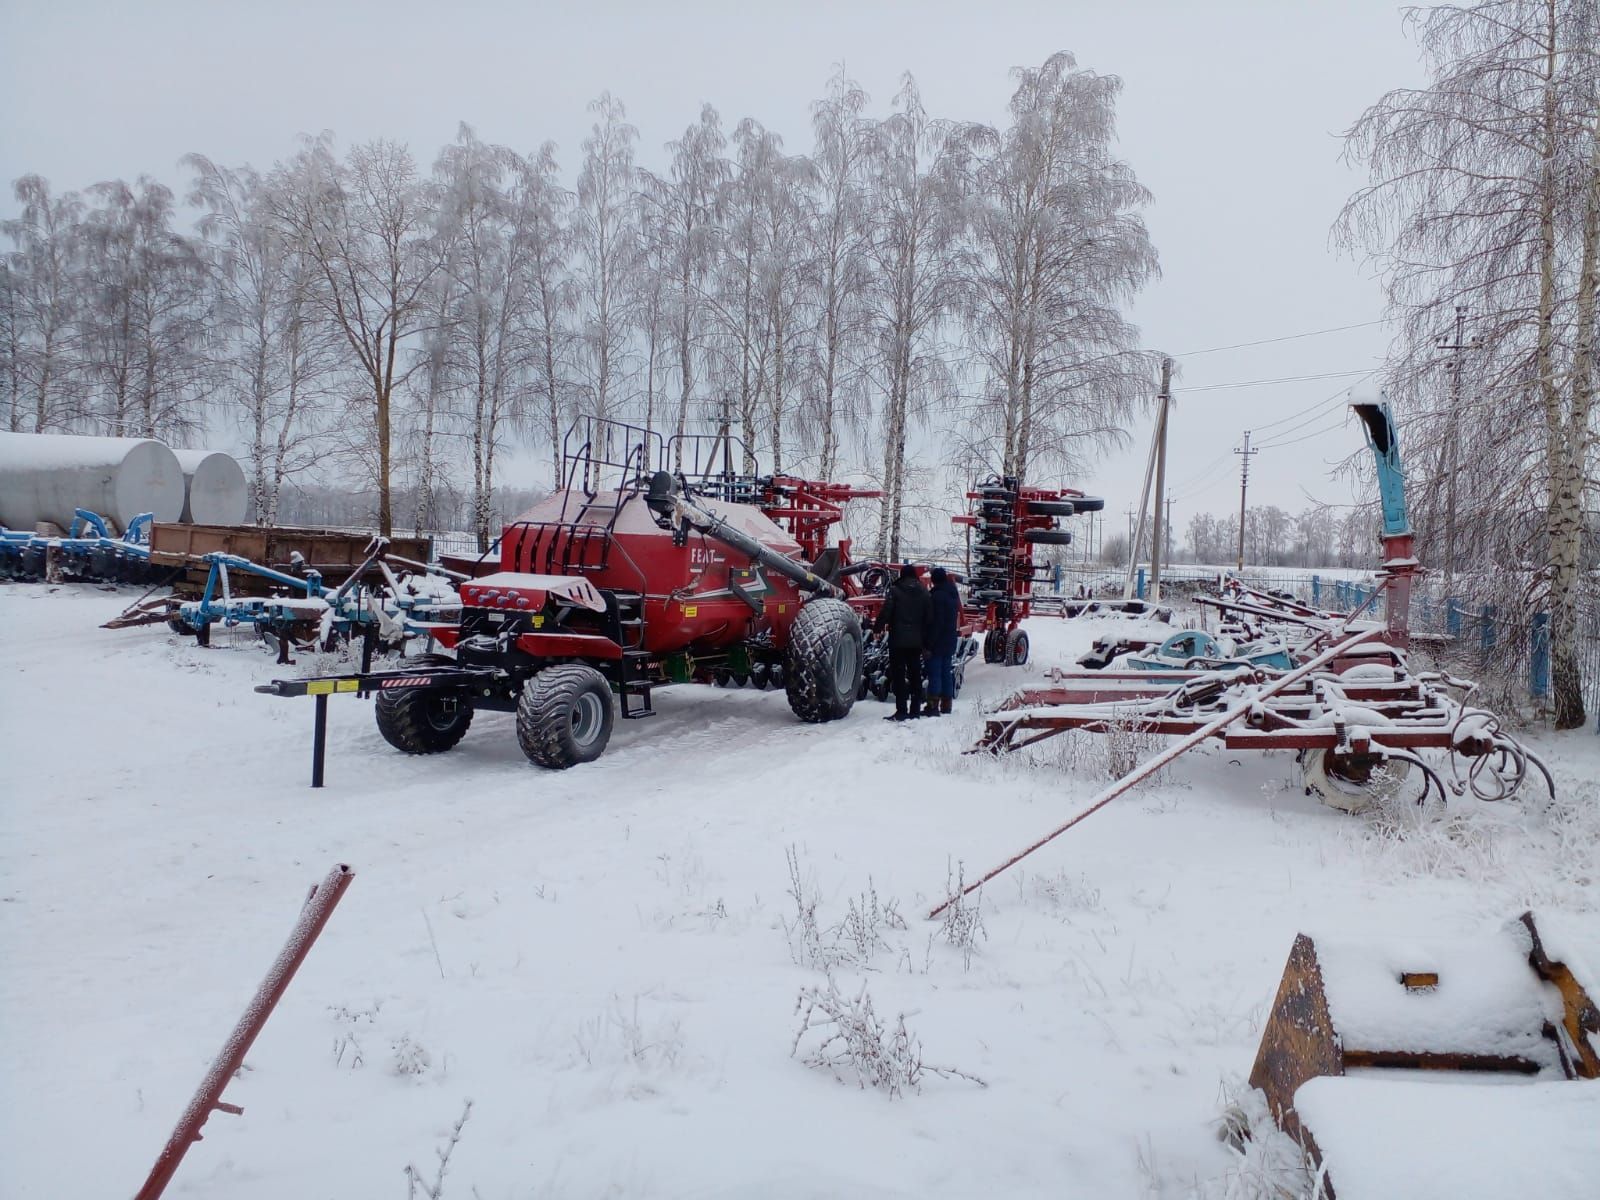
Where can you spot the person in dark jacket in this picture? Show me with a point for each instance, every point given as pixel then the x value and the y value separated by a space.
pixel 944 621
pixel 904 616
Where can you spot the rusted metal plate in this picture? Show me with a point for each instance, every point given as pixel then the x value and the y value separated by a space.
pixel 1299 1041
pixel 1580 1020
pixel 1430 1060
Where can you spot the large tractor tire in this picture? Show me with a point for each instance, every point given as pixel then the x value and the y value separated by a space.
pixel 564 716
pixel 824 672
pixel 424 720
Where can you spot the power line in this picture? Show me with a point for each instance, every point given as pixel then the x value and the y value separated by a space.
pixel 1317 408
pixel 1291 337
pixel 1217 387
pixel 1190 478
pixel 1204 483
pixel 1315 433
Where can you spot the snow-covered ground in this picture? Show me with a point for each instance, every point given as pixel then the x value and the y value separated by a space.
pixel 601 959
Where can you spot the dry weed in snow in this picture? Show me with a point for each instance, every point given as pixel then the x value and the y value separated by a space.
pixel 618 1037
pixel 855 1042
pixel 853 941
pixel 1538 850
pixel 410 1057
pixel 1127 741
pixel 1268 1164
pixel 416 1185
pixel 962 925
pixel 864 923
pixel 1060 892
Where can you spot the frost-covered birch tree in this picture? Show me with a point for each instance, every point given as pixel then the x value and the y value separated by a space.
pixel 274 353
pixel 367 224
pixel 681 211
pixel 143 326
pixel 786 204
pixel 43 299
pixel 544 223
pixel 836 265
pixel 485 221
pixel 918 169
pixel 607 253
pixel 1485 193
pixel 1061 250
pixel 742 311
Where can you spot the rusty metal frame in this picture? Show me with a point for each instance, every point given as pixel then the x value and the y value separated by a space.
pixel 314 916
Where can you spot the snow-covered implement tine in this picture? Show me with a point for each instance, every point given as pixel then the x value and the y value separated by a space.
pixel 314 916
pixel 1146 769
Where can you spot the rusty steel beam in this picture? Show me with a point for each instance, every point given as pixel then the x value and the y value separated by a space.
pixel 1144 770
pixel 314 916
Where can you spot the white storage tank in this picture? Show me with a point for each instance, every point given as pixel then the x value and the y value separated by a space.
pixel 214 488
pixel 45 476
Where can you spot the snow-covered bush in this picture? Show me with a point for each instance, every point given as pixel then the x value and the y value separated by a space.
pixel 853 1042
pixel 409 1057
pixel 962 925
pixel 856 938
pixel 1128 739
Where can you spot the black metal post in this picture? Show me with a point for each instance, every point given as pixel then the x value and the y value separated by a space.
pixel 368 638
pixel 319 741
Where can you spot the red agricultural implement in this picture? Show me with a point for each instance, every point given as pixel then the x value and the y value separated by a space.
pixel 1350 706
pixel 626 579
pixel 1008 522
pixel 1357 722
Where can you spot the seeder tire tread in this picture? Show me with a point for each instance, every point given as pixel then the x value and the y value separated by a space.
pixel 808 680
pixel 403 718
pixel 543 716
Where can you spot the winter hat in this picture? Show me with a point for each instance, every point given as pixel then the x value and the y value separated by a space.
pixel 908 571
pixel 938 575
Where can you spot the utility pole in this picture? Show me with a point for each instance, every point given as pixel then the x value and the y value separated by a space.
pixel 1453 365
pixel 1158 534
pixel 1244 485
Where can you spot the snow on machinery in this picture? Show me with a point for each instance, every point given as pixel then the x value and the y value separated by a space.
pixel 89 553
pixel 1008 521
pixel 1359 1036
pixel 626 579
pixel 1357 720
pixel 621 581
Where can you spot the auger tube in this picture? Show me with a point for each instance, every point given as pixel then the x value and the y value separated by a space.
pixel 668 498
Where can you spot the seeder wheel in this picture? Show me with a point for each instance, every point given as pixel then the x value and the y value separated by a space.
pixel 1016 648
pixel 424 720
pixel 565 715
pixel 1353 783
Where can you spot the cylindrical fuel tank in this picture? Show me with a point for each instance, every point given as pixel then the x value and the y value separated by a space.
pixel 214 488
pixel 45 476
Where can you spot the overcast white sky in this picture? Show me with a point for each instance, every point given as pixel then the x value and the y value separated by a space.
pixel 1230 115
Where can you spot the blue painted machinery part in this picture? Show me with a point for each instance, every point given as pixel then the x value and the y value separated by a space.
pixel 1378 422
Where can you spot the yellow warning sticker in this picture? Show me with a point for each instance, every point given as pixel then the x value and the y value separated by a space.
pixel 691 610
pixel 320 687
pixel 538 620
pixel 348 685
pixel 783 608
